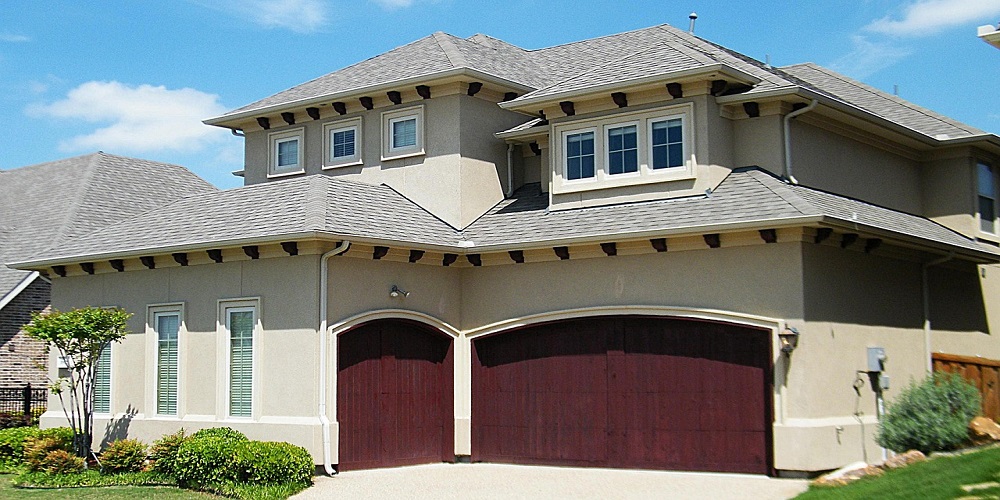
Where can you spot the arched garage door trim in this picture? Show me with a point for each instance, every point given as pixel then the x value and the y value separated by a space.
pixel 357 320
pixel 554 368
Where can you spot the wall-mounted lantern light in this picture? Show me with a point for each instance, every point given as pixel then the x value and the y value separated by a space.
pixel 789 340
pixel 395 291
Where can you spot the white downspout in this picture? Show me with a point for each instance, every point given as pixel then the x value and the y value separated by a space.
pixel 324 421
pixel 927 305
pixel 788 141
pixel 510 169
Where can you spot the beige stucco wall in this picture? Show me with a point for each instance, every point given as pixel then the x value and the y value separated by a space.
pixel 948 191
pixel 833 162
pixel 758 142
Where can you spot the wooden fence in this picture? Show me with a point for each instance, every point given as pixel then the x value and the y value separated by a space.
pixel 980 372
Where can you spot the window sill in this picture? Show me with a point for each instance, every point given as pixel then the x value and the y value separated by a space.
pixel 285 174
pixel 341 165
pixel 579 185
pixel 400 156
pixel 990 237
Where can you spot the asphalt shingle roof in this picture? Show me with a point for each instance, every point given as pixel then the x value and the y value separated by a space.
pixel 318 204
pixel 42 205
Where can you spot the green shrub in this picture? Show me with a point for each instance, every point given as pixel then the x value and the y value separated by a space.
pixel 220 432
pixel 91 478
pixel 61 462
pixel 124 455
pixel 206 460
pixel 262 462
pixel 37 450
pixel 163 453
pixel 930 416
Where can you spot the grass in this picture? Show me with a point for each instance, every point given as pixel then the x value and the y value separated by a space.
pixel 940 477
pixel 8 491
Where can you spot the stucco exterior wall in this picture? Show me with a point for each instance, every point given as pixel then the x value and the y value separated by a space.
pixel 826 160
pixel 948 190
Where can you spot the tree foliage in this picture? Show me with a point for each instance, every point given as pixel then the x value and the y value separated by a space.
pixel 79 336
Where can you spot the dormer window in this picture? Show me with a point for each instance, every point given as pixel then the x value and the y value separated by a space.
pixel 343 143
pixel 403 133
pixel 624 149
pixel 987 181
pixel 286 153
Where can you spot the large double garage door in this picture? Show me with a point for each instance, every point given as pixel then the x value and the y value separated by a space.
pixel 634 392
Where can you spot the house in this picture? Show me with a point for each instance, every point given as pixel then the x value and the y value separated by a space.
pixel 643 250
pixel 990 34
pixel 41 205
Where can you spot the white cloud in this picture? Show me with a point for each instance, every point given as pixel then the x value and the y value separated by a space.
pixel 141 119
pixel 10 37
pixel 868 57
pixel 301 16
pixel 930 16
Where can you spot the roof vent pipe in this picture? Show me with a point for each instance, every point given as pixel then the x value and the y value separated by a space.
pixel 788 140
pixel 693 16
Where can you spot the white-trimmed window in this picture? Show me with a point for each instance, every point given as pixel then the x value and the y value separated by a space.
pixel 624 149
pixel 167 326
pixel 403 133
pixel 102 382
pixel 343 143
pixel 240 320
pixel 286 152
pixel 988 188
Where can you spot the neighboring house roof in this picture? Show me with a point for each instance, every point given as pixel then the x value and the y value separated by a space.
pixel 318 206
pixel 601 62
pixel 42 205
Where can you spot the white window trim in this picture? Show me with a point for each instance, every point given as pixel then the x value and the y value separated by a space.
pixel 272 140
pixel 222 361
pixel 643 121
pixel 152 354
pixel 994 236
pixel 390 117
pixel 111 381
pixel 338 126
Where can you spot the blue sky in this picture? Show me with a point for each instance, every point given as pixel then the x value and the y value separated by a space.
pixel 135 77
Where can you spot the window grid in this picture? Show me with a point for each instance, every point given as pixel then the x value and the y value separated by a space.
pixel 240 323
pixel 667 143
pixel 167 329
pixel 623 150
pixel 102 381
pixel 580 155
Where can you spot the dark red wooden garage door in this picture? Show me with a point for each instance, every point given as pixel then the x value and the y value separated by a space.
pixel 631 392
pixel 394 396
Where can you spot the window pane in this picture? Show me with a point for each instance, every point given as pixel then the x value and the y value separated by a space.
pixel 404 133
pixel 288 153
pixel 580 155
pixel 987 184
pixel 987 214
pixel 622 151
pixel 102 382
pixel 343 144
pixel 167 326
pixel 240 363
pixel 676 156
pixel 668 144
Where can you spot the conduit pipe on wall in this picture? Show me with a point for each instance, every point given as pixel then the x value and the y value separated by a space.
pixel 510 169
pixel 925 288
pixel 323 419
pixel 788 140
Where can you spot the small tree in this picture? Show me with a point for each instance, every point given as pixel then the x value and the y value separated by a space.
pixel 79 336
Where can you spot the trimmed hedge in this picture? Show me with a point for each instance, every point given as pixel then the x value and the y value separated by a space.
pixel 267 462
pixel 220 432
pixel 207 460
pixel 124 455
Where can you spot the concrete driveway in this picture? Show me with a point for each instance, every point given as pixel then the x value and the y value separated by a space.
pixel 485 481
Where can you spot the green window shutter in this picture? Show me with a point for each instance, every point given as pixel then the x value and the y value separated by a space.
pixel 241 323
pixel 102 382
pixel 167 328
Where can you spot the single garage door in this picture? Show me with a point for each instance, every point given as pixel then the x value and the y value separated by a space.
pixel 633 392
pixel 394 395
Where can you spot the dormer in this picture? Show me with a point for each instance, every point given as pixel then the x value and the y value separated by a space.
pixel 650 137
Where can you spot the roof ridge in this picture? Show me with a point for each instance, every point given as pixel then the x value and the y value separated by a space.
pixel 447 45
pixel 773 184
pixel 929 113
pixel 588 40
pixel 315 202
pixel 92 164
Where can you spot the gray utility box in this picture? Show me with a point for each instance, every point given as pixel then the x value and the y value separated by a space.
pixel 876 359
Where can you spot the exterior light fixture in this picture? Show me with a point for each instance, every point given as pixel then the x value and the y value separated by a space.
pixel 789 340
pixel 395 291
